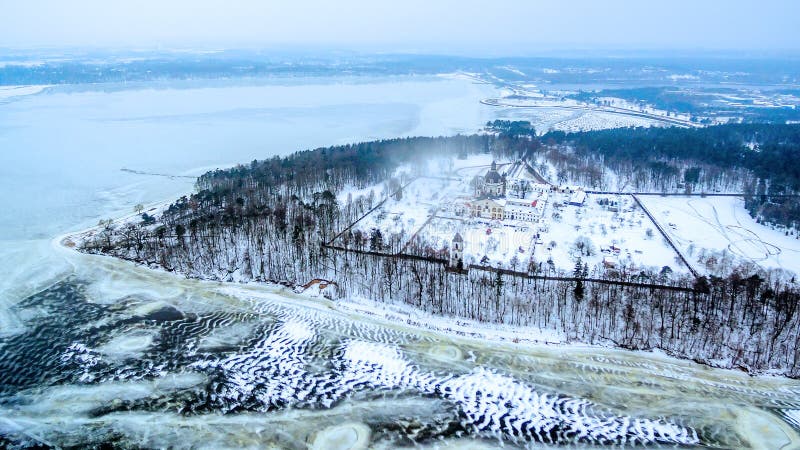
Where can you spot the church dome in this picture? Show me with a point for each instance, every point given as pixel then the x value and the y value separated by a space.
pixel 492 176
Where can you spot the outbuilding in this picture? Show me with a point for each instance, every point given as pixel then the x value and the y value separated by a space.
pixel 578 198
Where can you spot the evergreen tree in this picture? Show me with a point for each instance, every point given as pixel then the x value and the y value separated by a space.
pixel 579 290
pixel 577 272
pixel 376 240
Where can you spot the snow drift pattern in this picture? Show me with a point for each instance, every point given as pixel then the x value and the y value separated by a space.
pixel 274 373
pixel 498 404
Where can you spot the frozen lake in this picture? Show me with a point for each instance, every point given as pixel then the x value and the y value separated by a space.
pixel 62 150
pixel 65 147
pixel 96 350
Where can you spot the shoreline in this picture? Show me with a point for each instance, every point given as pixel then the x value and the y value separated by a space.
pixel 65 240
pixel 11 92
pixel 405 316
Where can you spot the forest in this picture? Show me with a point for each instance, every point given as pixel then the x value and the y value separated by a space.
pixel 269 221
pixel 761 161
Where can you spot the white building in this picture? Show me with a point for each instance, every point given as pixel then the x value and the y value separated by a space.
pixel 488 208
pixel 529 210
pixel 494 185
pixel 540 187
pixel 457 251
pixel 461 205
pixel 578 198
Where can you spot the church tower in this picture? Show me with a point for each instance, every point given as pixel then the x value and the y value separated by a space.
pixel 457 252
pixel 494 185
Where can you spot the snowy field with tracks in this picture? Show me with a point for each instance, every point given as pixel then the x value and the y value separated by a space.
pixel 721 228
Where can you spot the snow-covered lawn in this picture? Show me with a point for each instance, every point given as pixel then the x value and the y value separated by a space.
pixel 702 225
pixel 479 159
pixel 620 237
pixel 466 168
pixel 402 216
pixel 639 244
pixel 499 241
pixel 450 167
pixel 405 214
pixel 627 238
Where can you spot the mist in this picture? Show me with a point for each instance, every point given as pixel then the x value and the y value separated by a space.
pixel 504 27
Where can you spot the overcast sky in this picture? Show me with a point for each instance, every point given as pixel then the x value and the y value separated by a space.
pixel 493 26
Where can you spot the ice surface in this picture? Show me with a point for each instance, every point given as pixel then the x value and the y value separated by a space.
pixel 64 148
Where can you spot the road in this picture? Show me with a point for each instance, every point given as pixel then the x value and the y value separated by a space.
pixel 666 237
pixel 603 109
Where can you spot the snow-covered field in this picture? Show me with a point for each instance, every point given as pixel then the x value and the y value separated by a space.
pixel 720 228
pixel 552 111
pixel 616 102
pixel 621 238
pixel 500 242
pixel 545 119
pixel 596 120
pixel 404 214
pixel 639 244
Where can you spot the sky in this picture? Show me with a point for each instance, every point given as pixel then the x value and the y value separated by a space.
pixel 458 26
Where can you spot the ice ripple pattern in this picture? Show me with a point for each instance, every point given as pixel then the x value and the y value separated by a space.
pixel 499 405
pixel 274 373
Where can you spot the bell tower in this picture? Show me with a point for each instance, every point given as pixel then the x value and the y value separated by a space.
pixel 456 251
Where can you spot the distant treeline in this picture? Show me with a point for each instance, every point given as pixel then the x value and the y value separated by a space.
pixel 697 102
pixel 109 66
pixel 332 168
pixel 512 127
